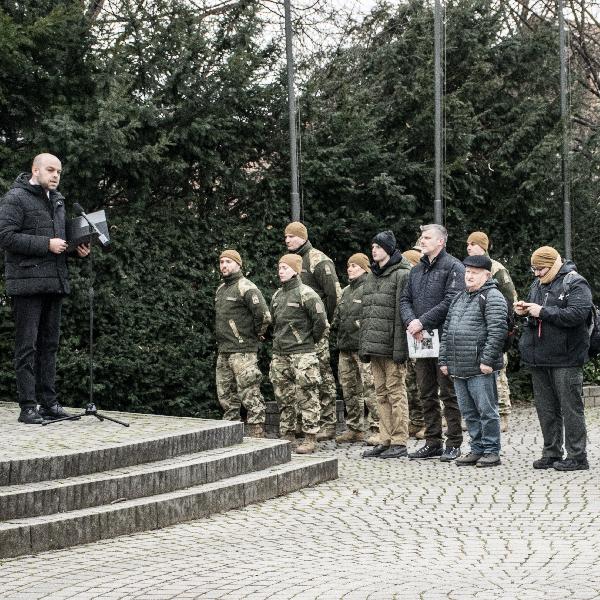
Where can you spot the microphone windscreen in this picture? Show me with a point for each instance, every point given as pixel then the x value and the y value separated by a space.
pixel 78 208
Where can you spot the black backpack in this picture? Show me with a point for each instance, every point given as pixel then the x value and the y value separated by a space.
pixel 593 319
pixel 511 323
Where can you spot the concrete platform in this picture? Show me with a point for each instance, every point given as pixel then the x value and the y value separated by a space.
pixel 82 481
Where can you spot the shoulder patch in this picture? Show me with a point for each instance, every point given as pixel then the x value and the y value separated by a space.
pixel 497 266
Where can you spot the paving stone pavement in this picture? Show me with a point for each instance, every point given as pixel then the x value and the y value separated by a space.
pixel 395 529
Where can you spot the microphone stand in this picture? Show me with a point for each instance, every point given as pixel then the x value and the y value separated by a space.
pixel 90 409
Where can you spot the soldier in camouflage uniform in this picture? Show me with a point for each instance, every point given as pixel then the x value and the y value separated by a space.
pixel 354 375
pixel 478 244
pixel 299 323
pixel 318 272
pixel 242 318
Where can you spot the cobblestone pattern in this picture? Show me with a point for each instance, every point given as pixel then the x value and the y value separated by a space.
pixel 591 396
pixel 395 529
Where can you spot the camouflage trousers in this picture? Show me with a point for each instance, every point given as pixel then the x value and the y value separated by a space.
pixel 415 408
pixel 504 405
pixel 238 384
pixel 296 379
pixel 358 389
pixel 390 387
pixel 327 389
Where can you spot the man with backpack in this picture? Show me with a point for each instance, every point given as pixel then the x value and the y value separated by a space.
pixel 471 353
pixel 555 344
pixel 478 244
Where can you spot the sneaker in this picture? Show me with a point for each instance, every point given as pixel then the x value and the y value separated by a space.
pixel 56 411
pixel 468 460
pixel 394 451
pixel 546 462
pixel 375 451
pixel 450 454
pixel 30 416
pixel 572 464
pixel 427 451
pixel 488 460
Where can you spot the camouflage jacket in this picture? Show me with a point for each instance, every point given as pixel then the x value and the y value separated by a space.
pixel 346 320
pixel 299 319
pixel 504 281
pixel 318 272
pixel 242 315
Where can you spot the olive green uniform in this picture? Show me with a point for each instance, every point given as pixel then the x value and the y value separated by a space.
pixel 242 318
pixel 299 322
pixel 354 375
pixel 318 272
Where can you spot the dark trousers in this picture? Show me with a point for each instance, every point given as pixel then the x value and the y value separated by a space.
pixel 558 397
pixel 430 380
pixel 37 330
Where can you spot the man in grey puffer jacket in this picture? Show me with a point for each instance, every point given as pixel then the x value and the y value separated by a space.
pixel 471 353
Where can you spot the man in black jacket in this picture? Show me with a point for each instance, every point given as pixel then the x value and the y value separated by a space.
pixel 32 233
pixel 432 285
pixel 554 345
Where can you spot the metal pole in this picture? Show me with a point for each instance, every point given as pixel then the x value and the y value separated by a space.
pixel 437 51
pixel 295 196
pixel 564 115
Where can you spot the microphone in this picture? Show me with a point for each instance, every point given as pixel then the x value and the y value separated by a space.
pixel 104 241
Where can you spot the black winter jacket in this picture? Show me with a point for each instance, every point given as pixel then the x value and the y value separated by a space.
pixel 469 339
pixel 559 338
pixel 430 289
pixel 382 332
pixel 28 220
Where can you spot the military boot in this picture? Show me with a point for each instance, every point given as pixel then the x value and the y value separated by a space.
pixel 255 430
pixel 373 439
pixel 350 436
pixel 327 433
pixel 309 444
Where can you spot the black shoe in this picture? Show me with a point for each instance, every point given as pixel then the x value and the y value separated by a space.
pixel 374 451
pixel 450 454
pixel 30 416
pixel 56 411
pixel 394 451
pixel 571 464
pixel 427 451
pixel 546 462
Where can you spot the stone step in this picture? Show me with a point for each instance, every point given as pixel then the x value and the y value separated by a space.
pixel 73 448
pixel 37 534
pixel 159 477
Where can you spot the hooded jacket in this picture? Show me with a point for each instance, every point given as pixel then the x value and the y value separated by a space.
pixel 28 220
pixel 471 337
pixel 559 337
pixel 382 332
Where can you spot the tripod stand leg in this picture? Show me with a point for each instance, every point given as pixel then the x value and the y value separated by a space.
pixel 71 418
pixel 102 417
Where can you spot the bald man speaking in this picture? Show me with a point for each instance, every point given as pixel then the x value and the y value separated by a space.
pixel 32 234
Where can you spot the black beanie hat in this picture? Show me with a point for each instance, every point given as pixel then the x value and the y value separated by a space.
pixel 479 261
pixel 385 240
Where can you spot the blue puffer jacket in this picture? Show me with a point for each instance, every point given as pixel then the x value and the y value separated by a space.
pixel 430 290
pixel 559 338
pixel 469 339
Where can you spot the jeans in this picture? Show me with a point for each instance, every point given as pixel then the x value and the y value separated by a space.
pixel 558 398
pixel 37 330
pixel 478 401
pixel 429 380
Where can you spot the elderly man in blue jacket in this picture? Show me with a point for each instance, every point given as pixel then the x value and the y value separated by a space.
pixel 471 353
